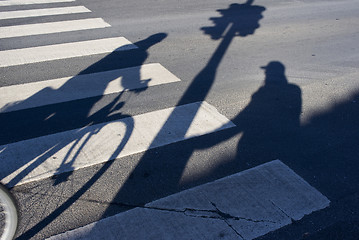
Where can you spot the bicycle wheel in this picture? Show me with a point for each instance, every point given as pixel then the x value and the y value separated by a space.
pixel 8 215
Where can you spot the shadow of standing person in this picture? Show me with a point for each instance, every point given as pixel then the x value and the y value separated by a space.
pixel 269 125
pixel 272 118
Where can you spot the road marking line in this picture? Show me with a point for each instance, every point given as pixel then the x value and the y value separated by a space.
pixel 43 12
pixel 52 27
pixel 28 2
pixel 245 205
pixel 29 95
pixel 42 157
pixel 62 51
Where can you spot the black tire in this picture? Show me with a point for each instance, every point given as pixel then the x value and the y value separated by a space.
pixel 8 214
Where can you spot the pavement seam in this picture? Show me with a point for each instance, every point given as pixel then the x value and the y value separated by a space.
pixel 282 211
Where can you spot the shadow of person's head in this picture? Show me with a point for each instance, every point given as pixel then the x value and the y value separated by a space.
pixel 275 73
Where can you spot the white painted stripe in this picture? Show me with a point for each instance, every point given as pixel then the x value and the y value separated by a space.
pixel 16 97
pixel 246 205
pixel 43 12
pixel 28 2
pixel 52 27
pixel 42 157
pixel 63 51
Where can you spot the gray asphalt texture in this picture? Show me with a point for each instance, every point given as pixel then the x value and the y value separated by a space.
pixel 308 119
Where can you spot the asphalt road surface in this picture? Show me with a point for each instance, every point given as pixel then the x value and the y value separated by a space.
pixel 110 105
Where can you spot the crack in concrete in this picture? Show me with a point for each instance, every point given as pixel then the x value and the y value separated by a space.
pixel 226 216
pixel 234 230
pixel 214 214
pixel 291 219
pixel 203 213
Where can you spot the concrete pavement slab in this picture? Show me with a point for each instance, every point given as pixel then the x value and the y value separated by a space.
pixel 245 205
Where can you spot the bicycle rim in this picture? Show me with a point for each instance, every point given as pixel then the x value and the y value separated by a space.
pixel 8 215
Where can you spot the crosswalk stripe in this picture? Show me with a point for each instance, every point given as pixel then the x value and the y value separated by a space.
pixel 62 51
pixel 52 27
pixel 245 205
pixel 28 2
pixel 42 157
pixel 43 12
pixel 36 94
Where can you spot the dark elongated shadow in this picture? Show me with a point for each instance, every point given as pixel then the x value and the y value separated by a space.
pixel 237 20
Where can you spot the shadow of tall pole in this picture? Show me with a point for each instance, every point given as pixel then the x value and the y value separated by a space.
pixel 237 20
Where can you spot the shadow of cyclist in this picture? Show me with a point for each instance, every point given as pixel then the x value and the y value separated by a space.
pixel 78 113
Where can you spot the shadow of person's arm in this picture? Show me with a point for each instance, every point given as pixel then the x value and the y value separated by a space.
pixel 221 134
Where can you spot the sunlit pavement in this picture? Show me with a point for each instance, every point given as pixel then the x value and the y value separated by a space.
pixel 109 108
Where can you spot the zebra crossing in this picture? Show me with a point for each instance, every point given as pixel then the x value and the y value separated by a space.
pixel 35 94
pixel 42 157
